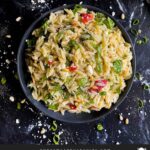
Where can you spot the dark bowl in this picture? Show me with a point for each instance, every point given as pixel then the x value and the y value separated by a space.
pixel 68 117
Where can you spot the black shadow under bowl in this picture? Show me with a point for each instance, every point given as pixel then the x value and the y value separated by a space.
pixel 68 117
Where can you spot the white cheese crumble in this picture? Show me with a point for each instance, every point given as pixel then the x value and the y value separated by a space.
pixel 18 19
pixel 113 13
pixel 11 98
pixel 7 61
pixel 8 36
pixel 17 121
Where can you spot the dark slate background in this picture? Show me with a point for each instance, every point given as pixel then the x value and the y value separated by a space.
pixel 32 121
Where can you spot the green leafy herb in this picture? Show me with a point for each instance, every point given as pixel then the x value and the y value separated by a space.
pixel 30 42
pixel 18 106
pixel 109 23
pixel 59 36
pixel 140 103
pixel 118 90
pixel 100 127
pixel 48 96
pixel 54 126
pixel 117 65
pixel 82 82
pixel 53 107
pixel 3 81
pixel 134 32
pixel 45 25
pixel 146 87
pixel 103 93
pixel 56 139
pixel 99 18
pixel 73 44
pixel 77 8
pixel 135 21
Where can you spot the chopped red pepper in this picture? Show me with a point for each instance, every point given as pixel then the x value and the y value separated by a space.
pixel 72 106
pixel 85 17
pixel 72 68
pixel 99 84
pixel 50 62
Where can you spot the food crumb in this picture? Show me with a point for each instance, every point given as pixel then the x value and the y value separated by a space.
pixel 120 117
pixel 8 36
pixel 113 13
pixel 81 3
pixel 119 131
pixel 18 19
pixel 123 16
pixel 44 136
pixel 126 121
pixel 110 7
pixel 9 46
pixel 117 143
pixel 139 31
pixel 17 121
pixel 11 98
pixel 43 131
pixel 7 61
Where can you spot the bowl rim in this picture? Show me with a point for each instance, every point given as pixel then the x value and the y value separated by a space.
pixel 20 69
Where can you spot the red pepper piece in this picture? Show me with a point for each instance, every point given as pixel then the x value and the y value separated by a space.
pixel 50 62
pixel 85 17
pixel 72 106
pixel 72 68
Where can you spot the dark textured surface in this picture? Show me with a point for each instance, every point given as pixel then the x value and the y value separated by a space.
pixel 114 130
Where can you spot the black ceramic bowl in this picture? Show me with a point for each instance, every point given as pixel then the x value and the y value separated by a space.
pixel 68 117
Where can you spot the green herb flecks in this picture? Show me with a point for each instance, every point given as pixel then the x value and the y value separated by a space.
pixel 30 42
pixel 102 93
pixel 72 44
pixel 56 139
pixel 18 106
pixel 139 42
pixel 135 21
pixel 3 80
pixel 117 65
pixel 48 96
pixel 142 41
pixel 140 103
pixel 100 127
pixel 146 87
pixel 53 107
pixel 77 8
pixel 82 82
pixel 134 32
pixel 109 23
pixel 54 126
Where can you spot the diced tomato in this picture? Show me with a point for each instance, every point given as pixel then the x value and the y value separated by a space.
pixel 50 62
pixel 85 17
pixel 72 106
pixel 99 85
pixel 72 68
